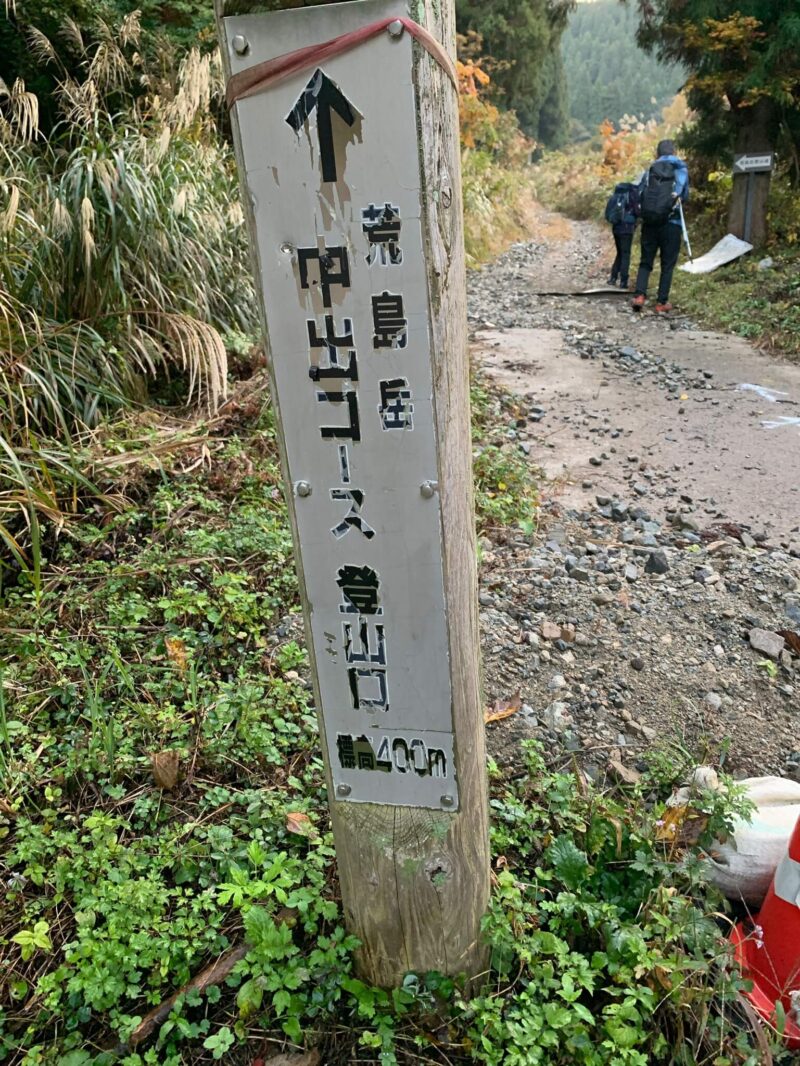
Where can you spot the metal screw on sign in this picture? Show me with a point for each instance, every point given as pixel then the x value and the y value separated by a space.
pixel 302 488
pixel 240 44
pixel 446 801
pixel 287 248
pixel 343 790
pixel 395 29
pixel 428 489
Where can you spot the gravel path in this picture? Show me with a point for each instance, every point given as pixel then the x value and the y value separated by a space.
pixel 657 603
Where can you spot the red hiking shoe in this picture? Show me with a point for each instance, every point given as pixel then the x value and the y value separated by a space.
pixel 662 309
pixel 638 302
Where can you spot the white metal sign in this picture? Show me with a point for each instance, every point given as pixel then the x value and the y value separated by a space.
pixel 753 164
pixel 724 251
pixel 331 162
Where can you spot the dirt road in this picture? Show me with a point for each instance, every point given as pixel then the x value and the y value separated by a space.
pixel 669 536
pixel 715 419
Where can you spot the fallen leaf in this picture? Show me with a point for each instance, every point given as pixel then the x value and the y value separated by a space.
pixel 297 822
pixel 662 975
pixel 618 827
pixel 165 766
pixel 503 709
pixel 681 825
pixel 667 827
pixel 684 396
pixel 792 639
pixel 176 651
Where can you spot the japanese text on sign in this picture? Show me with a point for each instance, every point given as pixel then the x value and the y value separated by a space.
pixel 332 168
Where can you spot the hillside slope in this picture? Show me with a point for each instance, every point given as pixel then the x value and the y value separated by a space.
pixel 608 75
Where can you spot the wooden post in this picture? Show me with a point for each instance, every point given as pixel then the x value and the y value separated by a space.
pixel 747 217
pixel 351 178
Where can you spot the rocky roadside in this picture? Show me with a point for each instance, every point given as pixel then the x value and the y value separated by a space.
pixel 620 634
pixel 641 619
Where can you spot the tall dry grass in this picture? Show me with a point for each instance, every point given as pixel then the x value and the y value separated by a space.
pixel 122 257
pixel 495 174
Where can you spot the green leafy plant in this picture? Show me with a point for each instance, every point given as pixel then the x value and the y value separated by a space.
pixel 33 940
pixel 602 938
pixel 505 483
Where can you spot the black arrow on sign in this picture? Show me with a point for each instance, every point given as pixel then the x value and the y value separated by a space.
pixel 322 94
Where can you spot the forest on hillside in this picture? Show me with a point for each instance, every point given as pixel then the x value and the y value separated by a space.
pixel 521 39
pixel 608 75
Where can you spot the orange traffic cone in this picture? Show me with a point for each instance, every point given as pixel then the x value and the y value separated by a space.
pixel 768 947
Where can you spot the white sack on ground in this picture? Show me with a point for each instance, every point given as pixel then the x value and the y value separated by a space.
pixel 724 251
pixel 743 867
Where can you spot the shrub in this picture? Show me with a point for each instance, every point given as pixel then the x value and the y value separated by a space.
pixel 122 260
pixel 494 171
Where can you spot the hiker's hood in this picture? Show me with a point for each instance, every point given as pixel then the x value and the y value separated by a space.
pixel 672 159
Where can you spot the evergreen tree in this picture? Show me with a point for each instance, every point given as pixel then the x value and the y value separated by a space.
pixel 554 112
pixel 744 77
pixel 525 36
pixel 608 74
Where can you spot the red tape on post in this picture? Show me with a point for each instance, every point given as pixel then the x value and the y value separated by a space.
pixel 264 75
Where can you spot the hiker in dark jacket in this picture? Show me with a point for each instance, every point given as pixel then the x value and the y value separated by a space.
pixel 621 211
pixel 663 186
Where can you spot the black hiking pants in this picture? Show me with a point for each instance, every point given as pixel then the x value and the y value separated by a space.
pixel 664 239
pixel 622 264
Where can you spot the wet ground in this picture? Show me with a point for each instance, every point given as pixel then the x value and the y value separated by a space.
pixel 669 534
pixel 712 416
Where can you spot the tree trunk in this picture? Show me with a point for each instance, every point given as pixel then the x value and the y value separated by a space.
pixel 755 135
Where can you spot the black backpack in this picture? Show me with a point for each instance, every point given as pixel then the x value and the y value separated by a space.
pixel 617 205
pixel 658 194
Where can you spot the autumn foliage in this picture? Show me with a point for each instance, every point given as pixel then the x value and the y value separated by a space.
pixel 619 147
pixel 484 126
pixel 494 157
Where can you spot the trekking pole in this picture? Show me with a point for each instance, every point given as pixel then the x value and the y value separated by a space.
pixel 685 231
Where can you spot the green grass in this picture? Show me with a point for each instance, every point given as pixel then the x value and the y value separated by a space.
pixel 761 305
pixel 167 627
pixel 506 483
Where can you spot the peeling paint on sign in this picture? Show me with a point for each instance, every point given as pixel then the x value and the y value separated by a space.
pixel 332 168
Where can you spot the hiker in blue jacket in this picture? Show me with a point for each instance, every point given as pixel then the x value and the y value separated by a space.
pixel 621 211
pixel 663 185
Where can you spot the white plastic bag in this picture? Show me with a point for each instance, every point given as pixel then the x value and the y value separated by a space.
pixel 743 867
